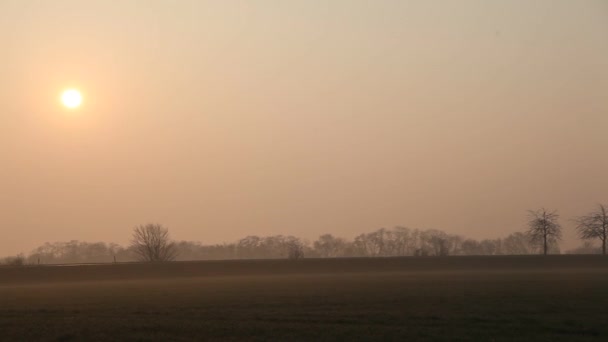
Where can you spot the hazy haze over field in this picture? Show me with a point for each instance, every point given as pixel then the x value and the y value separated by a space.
pixel 222 119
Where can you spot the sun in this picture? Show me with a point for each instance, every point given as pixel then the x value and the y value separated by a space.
pixel 71 98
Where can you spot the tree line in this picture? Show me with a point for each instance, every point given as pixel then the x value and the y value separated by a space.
pixel 152 243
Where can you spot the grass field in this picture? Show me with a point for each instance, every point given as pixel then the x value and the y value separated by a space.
pixel 558 298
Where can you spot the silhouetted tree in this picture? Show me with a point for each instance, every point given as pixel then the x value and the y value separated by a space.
pixel 471 247
pixel 544 228
pixel 295 249
pixel 328 246
pixel 17 260
pixel 516 244
pixel 594 226
pixel 437 242
pixel 78 252
pixel 371 244
pixel 401 240
pixel 190 250
pixel 247 247
pixel 269 247
pixel 151 243
pixel 586 248
pixel 491 247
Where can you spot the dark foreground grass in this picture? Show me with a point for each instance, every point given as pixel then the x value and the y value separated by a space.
pixel 451 304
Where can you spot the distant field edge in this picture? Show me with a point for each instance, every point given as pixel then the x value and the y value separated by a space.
pixel 258 267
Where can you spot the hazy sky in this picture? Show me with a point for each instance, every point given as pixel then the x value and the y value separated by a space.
pixel 222 119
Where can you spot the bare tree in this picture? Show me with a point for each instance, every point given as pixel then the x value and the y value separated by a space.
pixel 17 260
pixel 517 244
pixel 329 246
pixel 586 248
pixel 544 228
pixel 295 248
pixel 151 243
pixel 594 226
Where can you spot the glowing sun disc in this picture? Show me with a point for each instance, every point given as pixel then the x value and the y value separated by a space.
pixel 71 98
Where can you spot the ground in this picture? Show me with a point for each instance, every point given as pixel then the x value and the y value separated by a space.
pixel 561 298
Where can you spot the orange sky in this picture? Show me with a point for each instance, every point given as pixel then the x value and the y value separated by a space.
pixel 222 119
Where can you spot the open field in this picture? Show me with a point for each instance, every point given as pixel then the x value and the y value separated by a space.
pixel 557 298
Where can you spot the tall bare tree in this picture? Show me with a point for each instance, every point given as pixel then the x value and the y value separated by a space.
pixel 543 227
pixel 151 242
pixel 594 226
